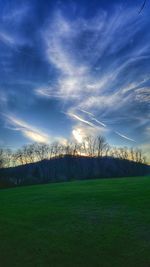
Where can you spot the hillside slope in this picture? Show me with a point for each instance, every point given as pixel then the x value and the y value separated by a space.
pixel 68 168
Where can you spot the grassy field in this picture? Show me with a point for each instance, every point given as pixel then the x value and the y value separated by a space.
pixel 99 223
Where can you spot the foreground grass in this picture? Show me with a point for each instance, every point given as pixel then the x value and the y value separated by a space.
pixel 103 223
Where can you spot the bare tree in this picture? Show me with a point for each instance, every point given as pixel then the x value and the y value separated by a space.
pixel 41 151
pixel 19 157
pixel 132 154
pixel 101 145
pixel 107 150
pixel 90 145
pixel 8 157
pixel 1 158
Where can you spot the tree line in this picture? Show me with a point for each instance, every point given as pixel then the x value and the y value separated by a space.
pixel 90 147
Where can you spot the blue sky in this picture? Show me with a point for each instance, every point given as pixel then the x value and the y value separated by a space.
pixel 74 68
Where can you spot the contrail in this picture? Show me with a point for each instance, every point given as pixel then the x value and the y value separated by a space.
pixel 99 122
pixel 92 117
pixel 125 137
pixel 89 113
pixel 80 119
pixel 142 7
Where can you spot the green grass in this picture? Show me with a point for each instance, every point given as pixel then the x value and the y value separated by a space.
pixel 99 223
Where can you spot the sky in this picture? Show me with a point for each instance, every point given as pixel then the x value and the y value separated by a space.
pixel 69 69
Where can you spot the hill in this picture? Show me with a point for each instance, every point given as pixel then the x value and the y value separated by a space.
pixel 85 223
pixel 68 168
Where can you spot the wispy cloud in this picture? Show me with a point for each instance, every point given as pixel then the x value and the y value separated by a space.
pixel 49 92
pixel 94 69
pixel 26 129
pixel 7 39
pixel 82 50
pixel 16 14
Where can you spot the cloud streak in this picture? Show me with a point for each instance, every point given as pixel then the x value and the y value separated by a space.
pixel 26 129
pixel 81 119
pixel 90 63
pixel 87 72
pixel 125 137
